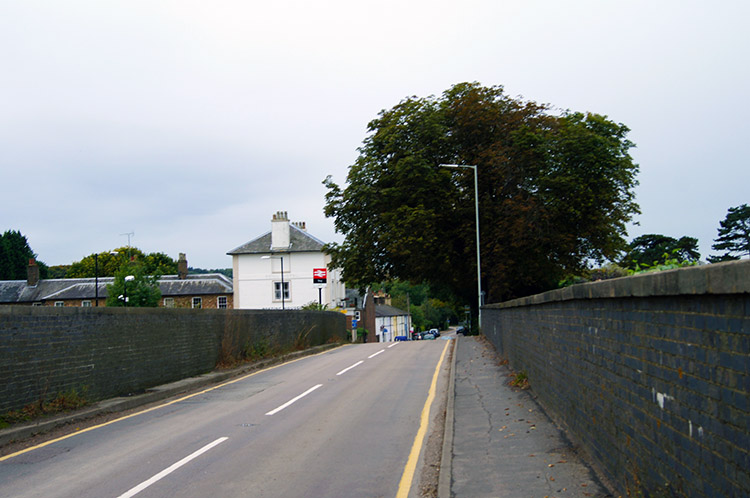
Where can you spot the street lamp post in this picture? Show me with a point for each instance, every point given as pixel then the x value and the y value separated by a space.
pixel 129 278
pixel 476 213
pixel 282 277
pixel 96 279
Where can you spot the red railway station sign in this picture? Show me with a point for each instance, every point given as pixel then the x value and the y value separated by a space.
pixel 320 275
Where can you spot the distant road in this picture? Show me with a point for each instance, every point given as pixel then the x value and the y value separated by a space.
pixel 339 424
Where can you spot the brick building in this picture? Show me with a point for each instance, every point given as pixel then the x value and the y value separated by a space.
pixel 212 290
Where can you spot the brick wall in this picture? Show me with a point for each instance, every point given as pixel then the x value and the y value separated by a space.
pixel 650 374
pixel 209 301
pixel 115 351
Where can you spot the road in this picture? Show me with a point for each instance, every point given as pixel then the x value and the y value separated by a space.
pixel 337 424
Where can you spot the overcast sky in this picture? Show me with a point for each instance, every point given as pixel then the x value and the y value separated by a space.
pixel 190 123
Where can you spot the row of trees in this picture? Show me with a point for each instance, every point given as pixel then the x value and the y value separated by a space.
pixel 733 239
pixel 135 273
pixel 643 253
pixel 15 253
pixel 110 262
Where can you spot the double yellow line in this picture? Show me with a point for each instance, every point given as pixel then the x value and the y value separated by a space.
pixel 411 464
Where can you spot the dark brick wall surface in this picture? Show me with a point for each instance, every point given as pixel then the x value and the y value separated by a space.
pixel 116 351
pixel 650 374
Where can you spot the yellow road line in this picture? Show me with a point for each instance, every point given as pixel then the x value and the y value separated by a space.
pixel 411 464
pixel 125 417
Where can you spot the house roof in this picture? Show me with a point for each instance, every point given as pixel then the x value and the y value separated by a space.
pixel 386 310
pixel 18 291
pixel 300 241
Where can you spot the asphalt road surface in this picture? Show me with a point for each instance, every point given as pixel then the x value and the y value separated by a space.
pixel 338 424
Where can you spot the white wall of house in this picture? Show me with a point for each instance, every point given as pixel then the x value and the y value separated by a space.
pixel 260 277
pixel 255 280
pixel 388 327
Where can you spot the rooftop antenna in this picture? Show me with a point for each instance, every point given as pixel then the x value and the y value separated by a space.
pixel 129 234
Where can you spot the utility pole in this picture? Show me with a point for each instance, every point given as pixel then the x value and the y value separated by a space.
pixel 408 315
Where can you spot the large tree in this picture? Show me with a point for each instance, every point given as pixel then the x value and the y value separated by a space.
pixel 554 191
pixel 649 250
pixel 734 235
pixel 133 286
pixel 15 253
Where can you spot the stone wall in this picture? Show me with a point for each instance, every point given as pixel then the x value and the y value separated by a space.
pixel 116 351
pixel 650 374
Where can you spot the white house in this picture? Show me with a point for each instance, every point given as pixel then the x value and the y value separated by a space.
pixel 391 322
pixel 275 270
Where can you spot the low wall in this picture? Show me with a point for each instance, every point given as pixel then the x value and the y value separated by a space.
pixel 116 351
pixel 650 374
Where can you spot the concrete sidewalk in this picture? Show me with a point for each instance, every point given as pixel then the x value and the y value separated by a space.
pixel 503 443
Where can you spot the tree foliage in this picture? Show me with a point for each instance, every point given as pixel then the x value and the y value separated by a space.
pixel 155 263
pixel 141 291
pixel 227 272
pixel 554 193
pixel 15 253
pixel 649 250
pixel 427 312
pixel 734 235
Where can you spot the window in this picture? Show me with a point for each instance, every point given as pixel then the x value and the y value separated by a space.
pixel 277 291
pixel 169 302
pixel 86 304
pixel 222 302
pixel 37 304
pixel 197 302
pixel 59 304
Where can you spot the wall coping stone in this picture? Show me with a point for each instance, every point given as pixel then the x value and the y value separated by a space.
pixel 732 277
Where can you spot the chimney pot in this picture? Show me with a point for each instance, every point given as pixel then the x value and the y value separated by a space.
pixel 280 233
pixel 182 267
pixel 32 273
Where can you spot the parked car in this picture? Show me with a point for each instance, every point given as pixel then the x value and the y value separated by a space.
pixel 428 336
pixel 435 332
pixel 461 330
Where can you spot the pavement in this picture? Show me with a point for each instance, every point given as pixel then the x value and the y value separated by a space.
pixel 499 442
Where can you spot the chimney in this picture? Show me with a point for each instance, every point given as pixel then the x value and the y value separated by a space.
pixel 280 231
pixel 182 267
pixel 32 273
pixel 301 225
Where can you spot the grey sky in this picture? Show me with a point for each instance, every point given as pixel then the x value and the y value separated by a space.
pixel 192 122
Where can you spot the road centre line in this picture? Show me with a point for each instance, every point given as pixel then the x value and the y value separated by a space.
pixel 134 491
pixel 147 410
pixel 375 354
pixel 394 344
pixel 293 400
pixel 349 368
